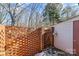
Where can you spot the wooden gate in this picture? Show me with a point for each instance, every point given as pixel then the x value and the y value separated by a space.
pixel 48 38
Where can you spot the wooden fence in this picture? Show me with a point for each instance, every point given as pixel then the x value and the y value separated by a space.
pixel 18 41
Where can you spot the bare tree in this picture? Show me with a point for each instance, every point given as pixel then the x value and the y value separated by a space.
pixel 20 14
pixel 33 12
pixel 14 11
pixel 33 8
pixel 2 14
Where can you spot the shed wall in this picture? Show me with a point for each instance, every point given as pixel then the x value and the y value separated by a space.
pixel 64 36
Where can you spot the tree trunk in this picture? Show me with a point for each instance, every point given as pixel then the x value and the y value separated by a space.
pixel 12 23
pixel 12 19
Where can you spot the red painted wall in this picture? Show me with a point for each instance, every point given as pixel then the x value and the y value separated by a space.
pixel 76 37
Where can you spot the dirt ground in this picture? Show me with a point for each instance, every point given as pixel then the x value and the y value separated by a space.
pixel 53 52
